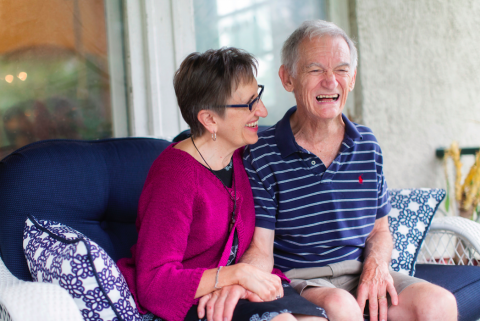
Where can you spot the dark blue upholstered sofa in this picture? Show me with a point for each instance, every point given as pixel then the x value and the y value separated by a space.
pixel 94 187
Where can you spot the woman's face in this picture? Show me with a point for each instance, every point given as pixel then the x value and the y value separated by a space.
pixel 239 126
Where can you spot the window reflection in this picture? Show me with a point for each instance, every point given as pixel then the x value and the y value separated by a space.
pixel 54 77
pixel 260 27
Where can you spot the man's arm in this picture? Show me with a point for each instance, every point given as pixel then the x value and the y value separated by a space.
pixel 375 280
pixel 260 252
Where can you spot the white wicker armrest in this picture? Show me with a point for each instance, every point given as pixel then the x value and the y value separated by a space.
pixel 22 301
pixel 452 240
pixel 464 228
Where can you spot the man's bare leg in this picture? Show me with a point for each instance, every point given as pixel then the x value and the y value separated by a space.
pixel 339 304
pixel 296 317
pixel 303 317
pixel 424 301
pixel 284 317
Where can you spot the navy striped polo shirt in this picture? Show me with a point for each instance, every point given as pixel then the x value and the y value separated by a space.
pixel 320 216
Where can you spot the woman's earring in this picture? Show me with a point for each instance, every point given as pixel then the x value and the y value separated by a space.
pixel 214 136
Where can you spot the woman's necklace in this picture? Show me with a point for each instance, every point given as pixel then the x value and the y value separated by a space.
pixel 234 198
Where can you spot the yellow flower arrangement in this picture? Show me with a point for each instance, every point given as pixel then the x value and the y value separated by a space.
pixel 467 194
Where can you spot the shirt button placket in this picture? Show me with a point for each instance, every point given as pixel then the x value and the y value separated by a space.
pixel 315 165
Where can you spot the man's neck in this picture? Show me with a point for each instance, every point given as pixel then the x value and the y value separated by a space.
pixel 317 130
pixel 323 137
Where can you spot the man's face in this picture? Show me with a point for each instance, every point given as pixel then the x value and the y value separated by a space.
pixel 324 77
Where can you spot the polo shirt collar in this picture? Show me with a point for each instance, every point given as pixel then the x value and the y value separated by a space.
pixel 286 141
pixel 351 131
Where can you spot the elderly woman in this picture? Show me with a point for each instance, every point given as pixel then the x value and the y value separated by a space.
pixel 196 215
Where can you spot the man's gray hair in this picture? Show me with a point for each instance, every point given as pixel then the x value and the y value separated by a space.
pixel 313 29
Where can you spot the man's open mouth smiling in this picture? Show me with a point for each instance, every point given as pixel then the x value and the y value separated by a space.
pixel 325 98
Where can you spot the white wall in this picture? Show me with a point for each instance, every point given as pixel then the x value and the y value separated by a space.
pixel 420 76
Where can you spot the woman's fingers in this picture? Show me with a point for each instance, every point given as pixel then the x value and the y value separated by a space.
pixel 219 306
pixel 266 285
pixel 211 305
pixel 202 304
pixel 231 301
pixel 252 297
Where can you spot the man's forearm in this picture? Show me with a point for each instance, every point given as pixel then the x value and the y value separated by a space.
pixel 254 256
pixel 379 245
pixel 379 248
pixel 260 251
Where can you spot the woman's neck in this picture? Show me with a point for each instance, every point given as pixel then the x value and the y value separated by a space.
pixel 215 154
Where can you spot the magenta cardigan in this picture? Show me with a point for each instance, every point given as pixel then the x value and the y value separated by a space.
pixel 182 224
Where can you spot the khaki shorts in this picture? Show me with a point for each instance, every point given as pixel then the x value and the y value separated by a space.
pixel 343 275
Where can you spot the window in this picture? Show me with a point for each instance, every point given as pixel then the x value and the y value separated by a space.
pixel 55 79
pixel 260 27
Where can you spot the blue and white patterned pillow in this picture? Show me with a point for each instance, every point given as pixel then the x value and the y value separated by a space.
pixel 409 221
pixel 58 254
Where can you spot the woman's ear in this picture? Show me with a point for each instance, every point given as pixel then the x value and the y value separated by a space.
pixel 208 119
pixel 286 78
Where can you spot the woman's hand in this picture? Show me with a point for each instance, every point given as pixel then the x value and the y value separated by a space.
pixel 221 303
pixel 266 285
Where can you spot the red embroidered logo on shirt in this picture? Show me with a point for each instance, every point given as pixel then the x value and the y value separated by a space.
pixel 360 179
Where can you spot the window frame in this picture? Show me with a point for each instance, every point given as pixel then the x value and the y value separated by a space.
pixel 158 36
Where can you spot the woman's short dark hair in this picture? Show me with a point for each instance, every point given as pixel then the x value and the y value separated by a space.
pixel 206 81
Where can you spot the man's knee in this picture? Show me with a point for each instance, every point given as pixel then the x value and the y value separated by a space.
pixel 437 304
pixel 339 299
pixel 284 317
pixel 427 301
pixel 338 303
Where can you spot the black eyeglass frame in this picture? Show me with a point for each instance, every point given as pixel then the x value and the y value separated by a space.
pixel 250 106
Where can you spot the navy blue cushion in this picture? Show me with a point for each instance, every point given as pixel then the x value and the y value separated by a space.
pixel 91 186
pixel 462 281
pixel 186 133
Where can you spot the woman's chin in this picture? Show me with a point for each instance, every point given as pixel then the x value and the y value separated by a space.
pixel 252 139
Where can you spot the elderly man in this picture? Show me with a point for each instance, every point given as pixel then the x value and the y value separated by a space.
pixel 321 196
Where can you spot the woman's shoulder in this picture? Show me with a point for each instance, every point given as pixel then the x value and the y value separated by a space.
pixel 173 162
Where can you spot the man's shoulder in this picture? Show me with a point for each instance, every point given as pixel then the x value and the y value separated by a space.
pixel 362 129
pixel 267 133
pixel 263 153
pixel 366 133
pixel 266 142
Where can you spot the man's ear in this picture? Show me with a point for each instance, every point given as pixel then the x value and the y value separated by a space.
pixel 352 83
pixel 286 78
pixel 208 119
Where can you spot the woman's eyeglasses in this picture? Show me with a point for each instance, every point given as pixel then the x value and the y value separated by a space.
pixel 252 104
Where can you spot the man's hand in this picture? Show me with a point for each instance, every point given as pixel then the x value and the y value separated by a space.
pixel 221 303
pixel 375 280
pixel 266 285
